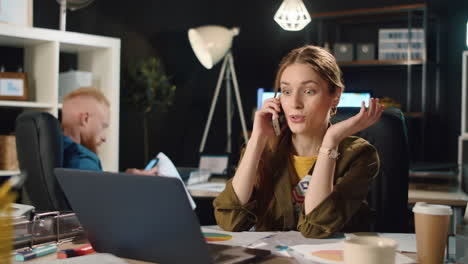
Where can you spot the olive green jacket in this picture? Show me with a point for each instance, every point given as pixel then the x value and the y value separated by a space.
pixel 344 210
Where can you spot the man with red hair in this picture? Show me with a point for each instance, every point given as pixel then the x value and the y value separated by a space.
pixel 85 118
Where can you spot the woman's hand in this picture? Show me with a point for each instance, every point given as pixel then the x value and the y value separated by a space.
pixel 362 120
pixel 263 127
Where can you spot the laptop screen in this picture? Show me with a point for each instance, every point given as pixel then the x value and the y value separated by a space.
pixel 347 99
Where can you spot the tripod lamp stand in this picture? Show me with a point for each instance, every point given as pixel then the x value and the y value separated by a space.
pixel 211 44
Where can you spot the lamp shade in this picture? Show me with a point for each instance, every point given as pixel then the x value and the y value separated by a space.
pixel 292 15
pixel 211 43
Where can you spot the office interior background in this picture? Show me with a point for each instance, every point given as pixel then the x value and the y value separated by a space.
pixel 159 28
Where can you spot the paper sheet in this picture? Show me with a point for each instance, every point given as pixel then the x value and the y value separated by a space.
pixel 237 238
pixel 332 254
pixel 167 168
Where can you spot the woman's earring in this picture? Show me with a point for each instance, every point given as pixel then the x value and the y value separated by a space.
pixel 333 111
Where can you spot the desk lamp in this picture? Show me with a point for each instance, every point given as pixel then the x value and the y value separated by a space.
pixel 211 44
pixel 71 5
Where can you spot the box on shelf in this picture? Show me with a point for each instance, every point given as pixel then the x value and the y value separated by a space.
pixel 18 12
pixel 8 158
pixel 365 51
pixel 71 80
pixel 394 44
pixel 343 51
pixel 13 86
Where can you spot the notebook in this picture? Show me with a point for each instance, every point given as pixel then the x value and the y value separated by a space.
pixel 143 218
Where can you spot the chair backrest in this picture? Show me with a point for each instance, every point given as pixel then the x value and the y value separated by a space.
pixel 388 194
pixel 39 144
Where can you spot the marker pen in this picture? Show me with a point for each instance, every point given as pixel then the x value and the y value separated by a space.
pixel 35 252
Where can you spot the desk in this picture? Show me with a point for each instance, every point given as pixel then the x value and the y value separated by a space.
pixel 239 238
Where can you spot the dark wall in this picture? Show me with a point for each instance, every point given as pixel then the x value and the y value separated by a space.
pixel 160 28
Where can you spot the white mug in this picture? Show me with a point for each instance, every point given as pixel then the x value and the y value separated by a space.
pixel 369 250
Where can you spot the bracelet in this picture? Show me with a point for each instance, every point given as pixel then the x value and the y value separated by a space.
pixel 331 153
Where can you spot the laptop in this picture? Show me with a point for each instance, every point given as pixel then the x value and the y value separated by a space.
pixel 145 218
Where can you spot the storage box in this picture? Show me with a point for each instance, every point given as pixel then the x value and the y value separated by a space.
pixel 343 51
pixel 365 51
pixel 8 158
pixel 69 81
pixel 18 12
pixel 394 44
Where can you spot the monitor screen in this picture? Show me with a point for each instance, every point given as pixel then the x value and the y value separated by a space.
pixel 348 99
pixel 262 95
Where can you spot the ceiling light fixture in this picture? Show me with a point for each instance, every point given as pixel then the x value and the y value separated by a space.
pixel 292 15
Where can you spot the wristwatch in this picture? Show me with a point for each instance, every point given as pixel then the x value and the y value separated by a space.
pixel 332 153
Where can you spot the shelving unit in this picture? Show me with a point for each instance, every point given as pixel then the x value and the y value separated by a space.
pixel 463 139
pixel 96 54
pixel 381 62
pixel 25 104
pixel 329 26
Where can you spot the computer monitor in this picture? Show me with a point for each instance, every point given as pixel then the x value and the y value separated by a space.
pixel 263 95
pixel 348 99
pixel 354 99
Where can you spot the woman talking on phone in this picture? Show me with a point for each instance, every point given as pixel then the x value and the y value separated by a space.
pixel 312 176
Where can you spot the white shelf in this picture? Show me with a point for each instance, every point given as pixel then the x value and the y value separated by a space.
pixel 97 54
pixel 25 104
pixel 20 36
pixel 7 173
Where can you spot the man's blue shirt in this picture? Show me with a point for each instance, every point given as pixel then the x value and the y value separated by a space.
pixel 76 156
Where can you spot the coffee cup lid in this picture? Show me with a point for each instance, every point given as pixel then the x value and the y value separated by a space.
pixel 431 209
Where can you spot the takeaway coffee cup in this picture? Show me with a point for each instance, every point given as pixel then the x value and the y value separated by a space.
pixel 432 225
pixel 369 250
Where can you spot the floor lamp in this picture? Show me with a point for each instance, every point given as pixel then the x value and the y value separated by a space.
pixel 211 44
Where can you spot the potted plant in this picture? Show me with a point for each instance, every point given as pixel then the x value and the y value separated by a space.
pixel 148 90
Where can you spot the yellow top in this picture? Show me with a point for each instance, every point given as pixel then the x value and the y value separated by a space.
pixel 302 166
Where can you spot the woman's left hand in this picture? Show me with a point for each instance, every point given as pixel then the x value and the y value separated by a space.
pixel 362 120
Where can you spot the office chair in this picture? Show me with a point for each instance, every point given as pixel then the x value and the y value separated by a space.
pixel 388 193
pixel 39 144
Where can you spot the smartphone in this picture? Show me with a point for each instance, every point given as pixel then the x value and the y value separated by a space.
pixel 152 163
pixel 276 123
pixel 276 126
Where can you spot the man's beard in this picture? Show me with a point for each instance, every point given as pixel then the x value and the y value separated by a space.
pixel 89 141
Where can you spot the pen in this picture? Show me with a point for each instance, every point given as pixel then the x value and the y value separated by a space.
pixel 35 252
